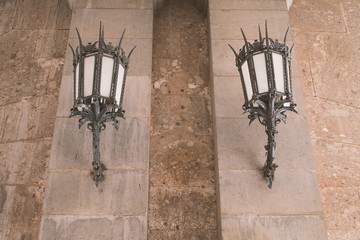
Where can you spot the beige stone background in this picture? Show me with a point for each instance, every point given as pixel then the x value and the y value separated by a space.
pixel 326 35
pixel 33 41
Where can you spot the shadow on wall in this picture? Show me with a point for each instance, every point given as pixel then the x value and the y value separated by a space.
pixel 201 5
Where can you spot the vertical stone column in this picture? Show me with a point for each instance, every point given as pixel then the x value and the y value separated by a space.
pixel 73 207
pixel 247 209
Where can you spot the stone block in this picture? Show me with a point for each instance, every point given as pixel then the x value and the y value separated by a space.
pixel 7 11
pixel 319 16
pixel 16 233
pixel 51 43
pixel 341 207
pixel 345 234
pixel 226 24
pixel 351 13
pixel 74 192
pixel 245 192
pixel 51 15
pixel 136 101
pixel 241 147
pixel 137 22
pixel 140 60
pixel 251 227
pixel 93 227
pixel 337 163
pixel 331 120
pixel 24 162
pixel 266 5
pixel 30 118
pixel 20 206
pixel 125 148
pixel 115 4
pixel 182 209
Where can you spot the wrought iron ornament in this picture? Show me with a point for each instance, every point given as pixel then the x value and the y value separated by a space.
pixel 96 107
pixel 268 94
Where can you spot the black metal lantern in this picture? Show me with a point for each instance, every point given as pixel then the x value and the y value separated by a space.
pixel 265 72
pixel 99 82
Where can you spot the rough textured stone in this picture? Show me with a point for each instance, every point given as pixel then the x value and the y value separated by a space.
pixel 31 118
pixel 104 227
pixel 251 227
pixel 51 43
pixel 7 11
pixel 126 148
pixel 226 24
pixel 121 193
pixel 241 146
pixel 128 4
pixel 293 192
pixel 26 163
pixel 137 22
pixel 321 15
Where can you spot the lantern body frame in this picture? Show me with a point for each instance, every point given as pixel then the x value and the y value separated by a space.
pixel 267 88
pixel 100 71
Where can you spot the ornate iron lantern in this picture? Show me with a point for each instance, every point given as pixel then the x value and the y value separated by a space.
pixel 265 72
pixel 100 71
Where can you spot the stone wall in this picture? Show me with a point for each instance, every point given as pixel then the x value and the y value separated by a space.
pixel 326 36
pixel 33 44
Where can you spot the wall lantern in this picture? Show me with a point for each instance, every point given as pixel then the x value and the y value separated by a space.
pixel 265 72
pixel 99 82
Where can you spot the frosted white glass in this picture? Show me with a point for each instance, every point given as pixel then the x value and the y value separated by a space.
pixel 278 71
pixel 88 75
pixel 106 76
pixel 246 75
pixel 260 70
pixel 77 82
pixel 119 83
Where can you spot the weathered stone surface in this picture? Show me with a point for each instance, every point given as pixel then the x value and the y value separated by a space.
pixel 93 227
pixel 53 15
pixel 182 209
pixel 126 148
pixel 341 207
pixel 251 227
pixel 241 146
pixel 343 234
pixel 16 233
pixel 74 192
pixel 334 121
pixel 248 5
pixel 51 43
pixel 127 4
pixel 32 118
pixel 137 22
pixel 294 192
pixel 136 99
pixel 7 11
pixel 226 24
pixel 140 60
pixel 321 15
pixel 351 12
pixel 24 162
pixel 338 163
pixel 20 206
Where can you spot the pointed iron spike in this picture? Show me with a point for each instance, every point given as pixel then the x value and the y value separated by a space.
pixel 131 52
pixel 266 35
pixel 122 36
pixel 259 33
pixel 292 47
pixel 72 50
pixel 236 55
pixel 102 34
pixel 246 43
pixel 287 30
pixel 78 34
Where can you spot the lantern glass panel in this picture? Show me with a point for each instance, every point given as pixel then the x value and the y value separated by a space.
pixel 247 80
pixel 260 70
pixel 278 72
pixel 119 84
pixel 89 66
pixel 77 82
pixel 106 76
